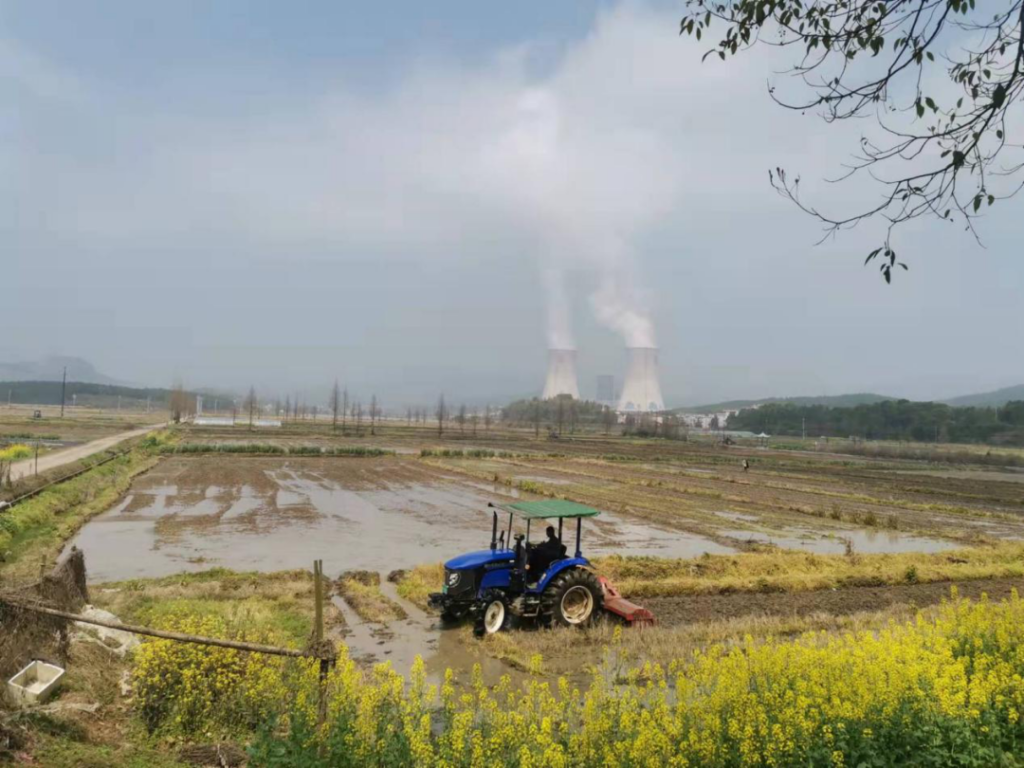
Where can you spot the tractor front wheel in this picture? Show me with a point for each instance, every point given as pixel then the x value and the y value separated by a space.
pixel 493 614
pixel 573 599
pixel 453 615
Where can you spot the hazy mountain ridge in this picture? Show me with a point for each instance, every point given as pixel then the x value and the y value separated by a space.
pixel 52 369
pixel 834 401
pixel 995 398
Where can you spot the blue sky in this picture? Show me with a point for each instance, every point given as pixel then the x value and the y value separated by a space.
pixel 279 194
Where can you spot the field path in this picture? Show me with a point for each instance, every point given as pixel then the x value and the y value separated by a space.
pixel 59 458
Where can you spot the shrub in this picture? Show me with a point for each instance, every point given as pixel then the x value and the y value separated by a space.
pixel 357 450
pixel 184 688
pixel 939 691
pixel 16 452
pixel 934 692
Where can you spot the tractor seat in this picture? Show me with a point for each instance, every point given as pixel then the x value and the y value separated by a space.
pixel 541 558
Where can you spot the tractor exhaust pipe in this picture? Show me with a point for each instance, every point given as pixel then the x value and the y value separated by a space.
pixel 494 526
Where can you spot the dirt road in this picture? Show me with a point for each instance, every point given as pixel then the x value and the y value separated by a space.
pixel 59 458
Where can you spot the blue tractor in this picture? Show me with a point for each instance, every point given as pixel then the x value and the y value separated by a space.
pixel 516 579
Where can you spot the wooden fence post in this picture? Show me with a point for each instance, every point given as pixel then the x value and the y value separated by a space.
pixel 318 629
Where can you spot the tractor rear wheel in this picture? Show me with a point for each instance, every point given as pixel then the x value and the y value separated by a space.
pixel 492 614
pixel 573 599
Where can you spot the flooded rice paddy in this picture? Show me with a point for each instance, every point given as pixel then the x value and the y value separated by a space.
pixel 275 514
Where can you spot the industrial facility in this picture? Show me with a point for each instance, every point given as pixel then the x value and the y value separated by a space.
pixel 641 392
pixel 561 379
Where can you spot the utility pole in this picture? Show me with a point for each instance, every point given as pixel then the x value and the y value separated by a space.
pixel 63 390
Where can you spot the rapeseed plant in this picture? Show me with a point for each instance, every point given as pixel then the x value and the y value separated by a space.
pixel 946 690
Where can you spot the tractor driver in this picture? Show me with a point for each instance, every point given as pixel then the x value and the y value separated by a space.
pixel 553 546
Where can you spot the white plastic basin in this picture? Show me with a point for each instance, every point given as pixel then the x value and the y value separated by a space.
pixel 35 683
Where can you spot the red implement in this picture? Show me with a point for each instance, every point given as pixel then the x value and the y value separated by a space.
pixel 620 606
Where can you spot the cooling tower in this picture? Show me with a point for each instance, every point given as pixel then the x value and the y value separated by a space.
pixel 641 392
pixel 561 374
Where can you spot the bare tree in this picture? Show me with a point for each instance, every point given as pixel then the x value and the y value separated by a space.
pixel 373 414
pixel 536 417
pixel 608 416
pixel 179 402
pixel 335 403
pixel 560 412
pixel 461 418
pixel 408 416
pixel 441 411
pixel 287 406
pixel 473 419
pixel 487 418
pixel 250 403
pixel 344 411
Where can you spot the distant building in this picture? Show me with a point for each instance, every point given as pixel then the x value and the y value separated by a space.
pixel 716 420
pixel 606 389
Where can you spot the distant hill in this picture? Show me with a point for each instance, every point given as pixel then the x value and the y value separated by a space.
pixel 52 369
pixel 82 393
pixel 833 401
pixel 994 399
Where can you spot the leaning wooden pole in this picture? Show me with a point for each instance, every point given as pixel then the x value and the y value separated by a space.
pixel 180 637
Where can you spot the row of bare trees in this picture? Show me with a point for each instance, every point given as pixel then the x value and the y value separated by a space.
pixel 463 417
pixel 559 415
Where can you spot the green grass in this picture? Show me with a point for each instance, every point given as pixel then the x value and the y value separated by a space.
pixel 417 584
pixel 39 526
pixel 56 750
pixel 275 606
pixel 363 593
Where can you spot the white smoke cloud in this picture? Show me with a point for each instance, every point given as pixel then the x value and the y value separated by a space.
pixel 619 302
pixel 587 181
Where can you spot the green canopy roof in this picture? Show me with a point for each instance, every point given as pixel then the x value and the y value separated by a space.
pixel 550 508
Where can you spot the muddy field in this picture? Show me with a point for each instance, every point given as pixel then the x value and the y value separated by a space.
pixel 673 611
pixel 381 514
pixel 269 514
pixel 78 425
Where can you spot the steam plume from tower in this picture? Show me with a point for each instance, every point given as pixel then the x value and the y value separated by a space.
pixel 561 378
pixel 642 392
